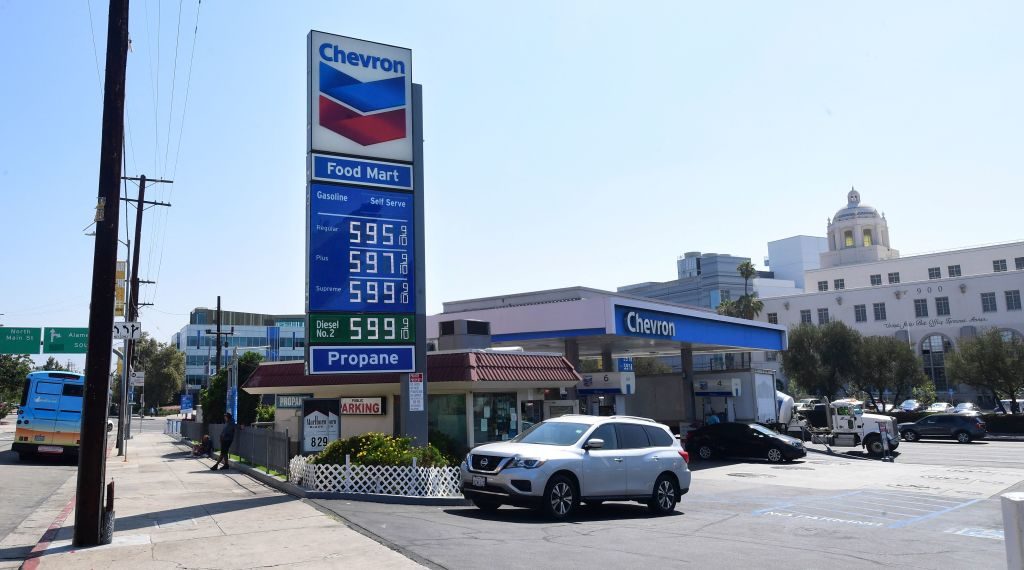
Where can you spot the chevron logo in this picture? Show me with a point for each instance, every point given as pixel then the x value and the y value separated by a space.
pixel 364 112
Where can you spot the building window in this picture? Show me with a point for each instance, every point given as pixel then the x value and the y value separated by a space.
pixel 942 306
pixel 894 277
pixel 879 309
pixel 876 279
pixel 953 270
pixel 822 316
pixel 860 313
pixel 805 316
pixel 773 318
pixel 1018 262
pixel 771 356
pixel 822 285
pixel 1013 300
pixel 725 294
pixel 988 302
pixel 848 238
pixel 920 308
pixel 867 238
pixel 840 284
pixel 934 273
pixel 492 417
pixel 933 353
pixel 998 265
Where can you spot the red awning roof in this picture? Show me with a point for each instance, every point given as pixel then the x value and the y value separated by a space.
pixel 470 366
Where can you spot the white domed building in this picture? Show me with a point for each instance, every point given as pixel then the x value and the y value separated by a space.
pixel 932 301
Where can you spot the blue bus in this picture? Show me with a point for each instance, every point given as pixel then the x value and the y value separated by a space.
pixel 50 414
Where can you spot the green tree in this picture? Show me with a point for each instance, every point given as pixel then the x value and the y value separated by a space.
pixel 52 364
pixel 992 360
pixel 165 373
pixel 14 368
pixel 748 306
pixel 247 403
pixel 214 397
pixel 885 364
pixel 821 359
pixel 747 271
pixel 647 366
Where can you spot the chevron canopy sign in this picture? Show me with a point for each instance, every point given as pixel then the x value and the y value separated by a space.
pixel 360 94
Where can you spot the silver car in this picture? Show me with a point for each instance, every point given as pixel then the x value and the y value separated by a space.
pixel 559 462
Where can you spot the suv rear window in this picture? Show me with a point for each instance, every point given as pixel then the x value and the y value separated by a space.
pixel 632 436
pixel 658 436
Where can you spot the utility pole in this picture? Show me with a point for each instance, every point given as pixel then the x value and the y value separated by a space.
pixel 92 454
pixel 219 334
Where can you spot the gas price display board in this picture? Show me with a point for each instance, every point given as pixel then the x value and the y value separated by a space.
pixel 362 284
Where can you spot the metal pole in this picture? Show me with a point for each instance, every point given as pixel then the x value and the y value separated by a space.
pixel 217 369
pixel 92 448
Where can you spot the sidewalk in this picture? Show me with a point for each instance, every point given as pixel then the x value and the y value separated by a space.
pixel 173 512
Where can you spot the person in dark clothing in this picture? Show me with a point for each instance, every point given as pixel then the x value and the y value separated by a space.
pixel 203 448
pixel 226 437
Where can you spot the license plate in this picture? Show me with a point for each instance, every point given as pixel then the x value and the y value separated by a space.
pixel 50 449
pixel 479 481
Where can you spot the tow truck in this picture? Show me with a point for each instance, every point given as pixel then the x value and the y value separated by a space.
pixel 843 423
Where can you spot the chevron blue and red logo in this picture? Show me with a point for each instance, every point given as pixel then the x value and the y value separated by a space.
pixel 367 112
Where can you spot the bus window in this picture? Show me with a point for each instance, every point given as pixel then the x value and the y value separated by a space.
pixel 24 393
pixel 74 390
pixel 48 388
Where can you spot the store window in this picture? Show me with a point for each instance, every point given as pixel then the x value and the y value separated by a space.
pixel 446 414
pixel 494 417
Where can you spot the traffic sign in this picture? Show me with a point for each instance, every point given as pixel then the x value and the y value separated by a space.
pixel 58 340
pixel 19 340
pixel 127 330
pixel 136 378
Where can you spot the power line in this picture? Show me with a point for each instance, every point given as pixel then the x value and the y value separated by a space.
pixel 174 77
pixel 95 56
pixel 188 85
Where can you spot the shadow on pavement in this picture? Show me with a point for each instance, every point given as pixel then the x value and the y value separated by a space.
pixel 586 513
pixel 15 553
pixel 170 516
pixel 11 458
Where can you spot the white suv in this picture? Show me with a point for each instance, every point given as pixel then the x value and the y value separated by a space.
pixel 559 462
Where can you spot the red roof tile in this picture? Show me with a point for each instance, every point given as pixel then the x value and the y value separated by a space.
pixel 474 366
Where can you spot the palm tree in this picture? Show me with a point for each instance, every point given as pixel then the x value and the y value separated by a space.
pixel 747 271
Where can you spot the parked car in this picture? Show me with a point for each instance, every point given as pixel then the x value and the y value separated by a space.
pixel 940 407
pixel 561 461
pixel 737 439
pixel 962 427
pixel 964 407
pixel 910 406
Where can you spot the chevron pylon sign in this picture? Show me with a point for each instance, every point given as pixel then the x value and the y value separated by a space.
pixel 360 97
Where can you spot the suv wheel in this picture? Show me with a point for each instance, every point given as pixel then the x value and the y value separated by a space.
pixel 774 455
pixel 910 435
pixel 705 452
pixel 963 437
pixel 560 497
pixel 665 496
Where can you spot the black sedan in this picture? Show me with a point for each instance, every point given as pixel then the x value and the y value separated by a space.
pixel 734 439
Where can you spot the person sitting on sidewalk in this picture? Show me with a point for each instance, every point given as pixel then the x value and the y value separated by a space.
pixel 226 437
pixel 203 448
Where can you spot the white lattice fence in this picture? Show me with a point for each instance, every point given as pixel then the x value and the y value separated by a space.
pixel 409 481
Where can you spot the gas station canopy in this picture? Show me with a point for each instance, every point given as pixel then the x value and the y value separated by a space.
pixel 601 322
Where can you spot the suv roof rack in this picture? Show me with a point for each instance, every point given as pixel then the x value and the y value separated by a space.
pixel 634 418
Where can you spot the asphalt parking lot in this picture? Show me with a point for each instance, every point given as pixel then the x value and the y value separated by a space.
pixel 825 509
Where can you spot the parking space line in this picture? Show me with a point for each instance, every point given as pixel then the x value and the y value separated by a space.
pixel 913 497
pixel 831 510
pixel 933 515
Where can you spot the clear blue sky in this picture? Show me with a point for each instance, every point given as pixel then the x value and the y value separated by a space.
pixel 566 143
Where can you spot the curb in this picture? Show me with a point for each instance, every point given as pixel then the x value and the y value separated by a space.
pixel 296 491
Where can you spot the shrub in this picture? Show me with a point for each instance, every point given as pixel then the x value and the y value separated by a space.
pixel 379 449
pixel 265 413
pixel 452 451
